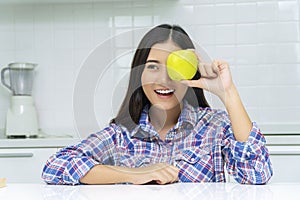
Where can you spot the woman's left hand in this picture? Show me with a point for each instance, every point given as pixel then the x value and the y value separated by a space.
pixel 215 78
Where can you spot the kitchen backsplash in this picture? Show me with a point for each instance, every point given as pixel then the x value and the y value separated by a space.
pixel 260 40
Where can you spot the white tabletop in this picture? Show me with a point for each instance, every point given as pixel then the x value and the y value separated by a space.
pixel 176 191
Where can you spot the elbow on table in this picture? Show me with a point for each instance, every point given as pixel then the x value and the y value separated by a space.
pixel 256 178
pixel 49 178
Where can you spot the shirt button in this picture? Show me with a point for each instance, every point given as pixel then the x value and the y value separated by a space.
pixel 193 159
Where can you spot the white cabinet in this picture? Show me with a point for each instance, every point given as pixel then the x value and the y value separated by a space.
pixel 286 163
pixel 22 160
pixel 24 165
pixel 286 168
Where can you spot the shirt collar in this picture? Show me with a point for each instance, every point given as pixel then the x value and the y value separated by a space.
pixel 186 120
pixel 188 117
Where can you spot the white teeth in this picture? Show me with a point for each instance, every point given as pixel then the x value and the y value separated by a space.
pixel 164 91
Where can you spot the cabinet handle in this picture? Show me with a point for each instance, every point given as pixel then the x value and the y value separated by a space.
pixel 285 153
pixel 16 155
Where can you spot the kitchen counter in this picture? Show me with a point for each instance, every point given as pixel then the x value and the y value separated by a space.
pixel 172 191
pixel 46 142
pixel 288 144
pixel 62 138
pixel 42 141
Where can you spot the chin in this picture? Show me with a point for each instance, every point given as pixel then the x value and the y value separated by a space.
pixel 166 105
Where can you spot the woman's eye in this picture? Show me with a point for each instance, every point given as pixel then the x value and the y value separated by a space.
pixel 152 67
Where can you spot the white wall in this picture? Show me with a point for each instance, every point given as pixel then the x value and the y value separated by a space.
pixel 260 39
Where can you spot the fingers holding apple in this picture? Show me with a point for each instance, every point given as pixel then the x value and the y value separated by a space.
pixel 215 77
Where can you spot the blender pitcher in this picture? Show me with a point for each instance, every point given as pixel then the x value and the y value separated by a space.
pixel 21 118
pixel 20 76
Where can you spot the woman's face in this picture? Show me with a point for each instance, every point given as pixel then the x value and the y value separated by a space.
pixel 157 85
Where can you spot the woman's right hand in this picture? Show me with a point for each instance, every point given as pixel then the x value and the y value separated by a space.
pixel 161 173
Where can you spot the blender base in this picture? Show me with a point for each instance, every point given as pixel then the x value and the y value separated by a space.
pixel 21 136
pixel 21 118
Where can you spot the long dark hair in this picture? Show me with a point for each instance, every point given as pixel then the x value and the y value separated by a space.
pixel 135 99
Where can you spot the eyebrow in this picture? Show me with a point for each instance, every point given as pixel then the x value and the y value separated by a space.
pixel 155 61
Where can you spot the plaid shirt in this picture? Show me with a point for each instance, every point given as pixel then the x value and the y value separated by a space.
pixel 201 144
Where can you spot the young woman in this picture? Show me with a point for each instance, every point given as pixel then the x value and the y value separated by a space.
pixel 165 131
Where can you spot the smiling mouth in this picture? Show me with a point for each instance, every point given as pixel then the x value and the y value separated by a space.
pixel 164 92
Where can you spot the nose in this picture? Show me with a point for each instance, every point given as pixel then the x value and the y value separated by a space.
pixel 164 76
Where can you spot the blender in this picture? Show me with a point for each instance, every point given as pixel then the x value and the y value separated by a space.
pixel 21 118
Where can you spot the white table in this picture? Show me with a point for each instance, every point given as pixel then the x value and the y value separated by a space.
pixel 183 191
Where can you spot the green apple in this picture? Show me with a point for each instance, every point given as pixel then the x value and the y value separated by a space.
pixel 182 65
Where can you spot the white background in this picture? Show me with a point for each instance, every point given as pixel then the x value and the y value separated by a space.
pixel 260 39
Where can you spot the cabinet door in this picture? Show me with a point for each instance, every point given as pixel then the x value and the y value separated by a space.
pixel 23 165
pixel 286 168
pixel 286 163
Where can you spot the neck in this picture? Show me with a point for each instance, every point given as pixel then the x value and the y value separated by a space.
pixel 164 119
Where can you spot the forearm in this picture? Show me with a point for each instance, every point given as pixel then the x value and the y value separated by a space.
pixel 241 123
pixel 105 174
pixel 161 173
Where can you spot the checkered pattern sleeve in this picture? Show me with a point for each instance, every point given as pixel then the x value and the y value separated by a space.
pixel 248 162
pixel 71 163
